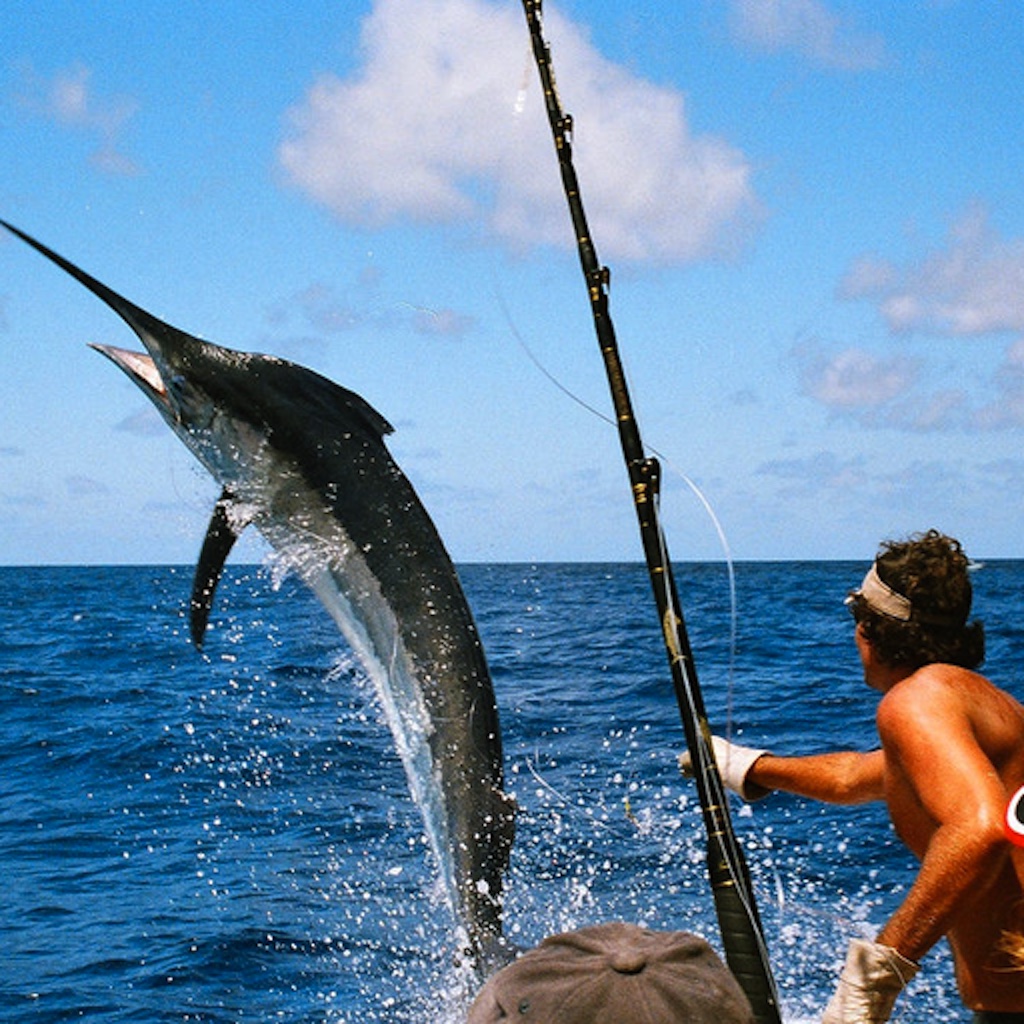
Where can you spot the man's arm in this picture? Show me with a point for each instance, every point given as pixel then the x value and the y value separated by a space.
pixel 843 777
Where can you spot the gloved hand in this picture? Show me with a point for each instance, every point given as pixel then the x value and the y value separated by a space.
pixel 872 978
pixel 734 762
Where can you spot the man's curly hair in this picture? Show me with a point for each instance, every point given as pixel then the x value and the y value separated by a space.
pixel 931 571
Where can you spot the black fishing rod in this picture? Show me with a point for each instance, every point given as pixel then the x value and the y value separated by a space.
pixel 742 934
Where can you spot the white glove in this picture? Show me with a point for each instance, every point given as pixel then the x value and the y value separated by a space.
pixel 734 762
pixel 872 978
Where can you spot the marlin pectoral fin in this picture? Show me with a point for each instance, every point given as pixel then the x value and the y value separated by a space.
pixel 226 526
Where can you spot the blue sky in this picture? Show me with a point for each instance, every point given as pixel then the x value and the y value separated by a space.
pixel 812 210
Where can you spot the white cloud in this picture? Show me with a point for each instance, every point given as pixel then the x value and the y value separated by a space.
pixel 973 286
pixel 1007 408
pixel 444 322
pixel 69 98
pixel 444 122
pixel 327 311
pixel 855 379
pixel 888 393
pixel 806 27
pixel 882 392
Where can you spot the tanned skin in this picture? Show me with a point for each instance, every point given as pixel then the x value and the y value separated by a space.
pixel 952 755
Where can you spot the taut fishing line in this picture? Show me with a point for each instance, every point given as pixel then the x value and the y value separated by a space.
pixel 701 497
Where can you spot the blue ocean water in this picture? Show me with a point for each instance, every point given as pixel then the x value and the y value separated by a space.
pixel 229 837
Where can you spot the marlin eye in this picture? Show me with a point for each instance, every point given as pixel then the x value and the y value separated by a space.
pixel 177 382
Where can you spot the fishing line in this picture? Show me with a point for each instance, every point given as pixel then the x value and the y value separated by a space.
pixel 731 573
pixel 729 838
pixel 562 798
pixel 690 483
pixel 535 359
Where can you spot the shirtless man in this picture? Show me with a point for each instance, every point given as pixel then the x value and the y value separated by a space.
pixel 952 756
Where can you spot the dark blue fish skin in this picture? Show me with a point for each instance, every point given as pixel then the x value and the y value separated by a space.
pixel 305 460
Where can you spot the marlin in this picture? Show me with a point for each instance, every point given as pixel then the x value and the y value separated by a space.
pixel 304 460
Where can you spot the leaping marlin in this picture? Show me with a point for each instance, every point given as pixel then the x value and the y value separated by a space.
pixel 305 461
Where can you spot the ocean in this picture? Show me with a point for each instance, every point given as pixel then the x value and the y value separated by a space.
pixel 228 836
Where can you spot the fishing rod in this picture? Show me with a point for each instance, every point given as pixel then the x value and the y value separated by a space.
pixel 738 918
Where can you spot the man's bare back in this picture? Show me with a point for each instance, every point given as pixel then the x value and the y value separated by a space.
pixel 946 732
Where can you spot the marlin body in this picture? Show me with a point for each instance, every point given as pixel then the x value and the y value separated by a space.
pixel 304 460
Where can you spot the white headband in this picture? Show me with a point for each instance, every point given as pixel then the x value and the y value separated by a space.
pixel 881 598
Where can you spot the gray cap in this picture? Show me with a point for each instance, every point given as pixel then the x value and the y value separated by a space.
pixel 614 973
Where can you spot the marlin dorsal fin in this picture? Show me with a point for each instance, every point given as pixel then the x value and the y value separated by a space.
pixel 228 521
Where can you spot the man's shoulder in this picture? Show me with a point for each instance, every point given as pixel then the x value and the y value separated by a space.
pixel 936 689
pixel 940 691
pixel 937 677
pixel 940 673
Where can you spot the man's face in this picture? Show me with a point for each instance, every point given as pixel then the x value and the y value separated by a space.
pixel 863 647
pixel 868 659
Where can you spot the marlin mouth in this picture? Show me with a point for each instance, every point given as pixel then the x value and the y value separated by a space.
pixel 140 367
